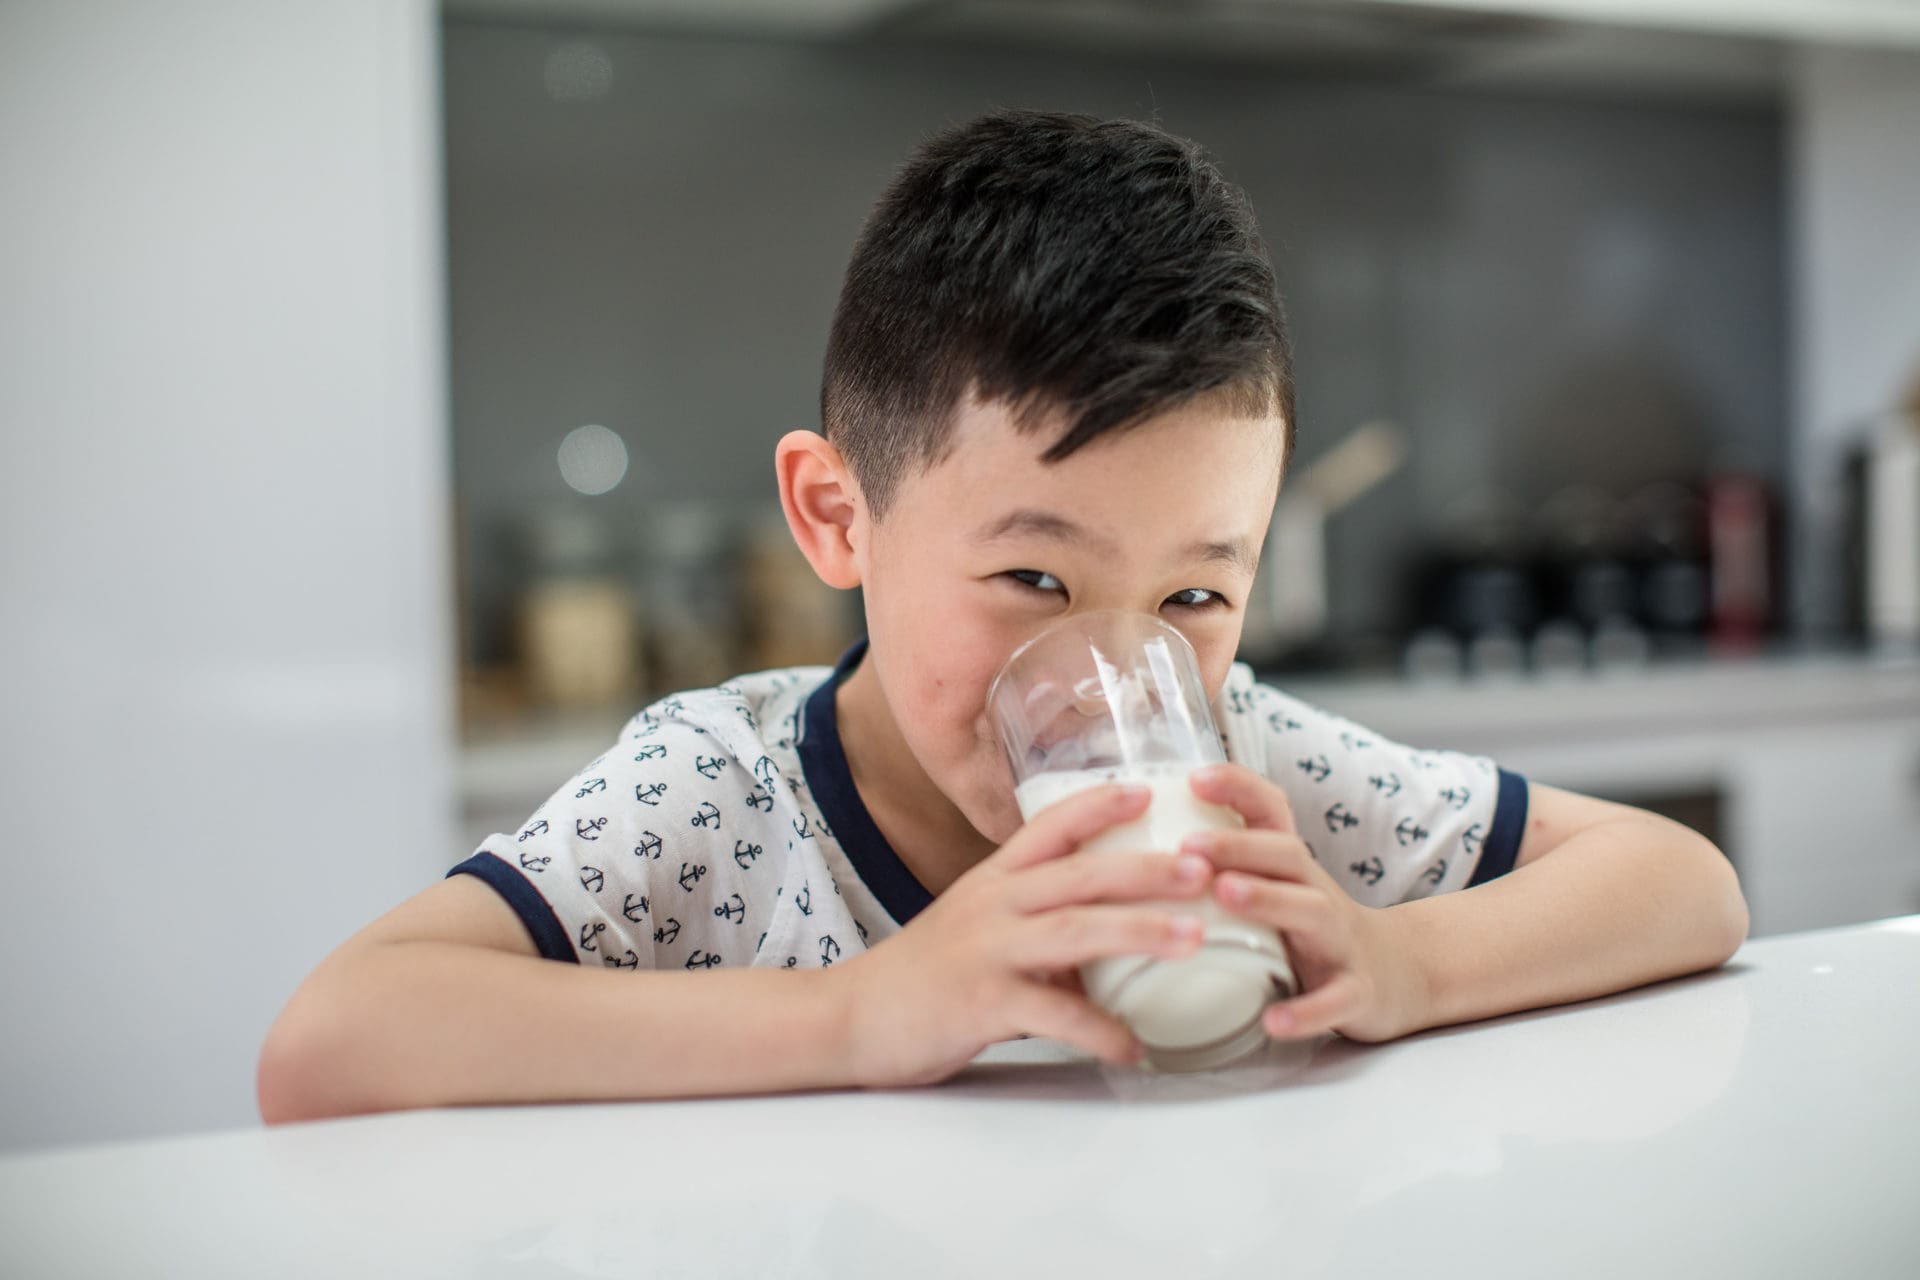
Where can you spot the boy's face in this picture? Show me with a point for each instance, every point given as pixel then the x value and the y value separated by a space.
pixel 980 553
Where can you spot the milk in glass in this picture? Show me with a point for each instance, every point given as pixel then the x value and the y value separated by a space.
pixel 1192 1012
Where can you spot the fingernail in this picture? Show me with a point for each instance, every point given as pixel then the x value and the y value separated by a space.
pixel 1200 843
pixel 1133 791
pixel 1210 774
pixel 1279 1021
pixel 1192 868
pixel 1187 928
pixel 1234 889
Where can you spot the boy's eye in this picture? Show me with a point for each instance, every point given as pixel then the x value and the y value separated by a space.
pixel 1040 580
pixel 1022 575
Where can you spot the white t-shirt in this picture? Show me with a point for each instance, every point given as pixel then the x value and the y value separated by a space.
pixel 723 826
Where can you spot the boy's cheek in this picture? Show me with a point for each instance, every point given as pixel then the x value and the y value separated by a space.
pixel 1216 642
pixel 945 685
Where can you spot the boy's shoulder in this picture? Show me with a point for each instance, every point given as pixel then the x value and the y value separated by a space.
pixel 1250 702
pixel 1389 820
pixel 754 709
pixel 686 770
pixel 1249 711
pixel 734 742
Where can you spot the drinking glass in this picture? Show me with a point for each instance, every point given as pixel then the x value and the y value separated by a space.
pixel 1116 696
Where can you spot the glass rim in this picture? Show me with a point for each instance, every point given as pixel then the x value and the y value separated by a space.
pixel 993 689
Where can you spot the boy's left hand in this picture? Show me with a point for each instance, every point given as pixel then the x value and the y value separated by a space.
pixel 1353 973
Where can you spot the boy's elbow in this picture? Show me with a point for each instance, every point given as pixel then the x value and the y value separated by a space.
pixel 281 1079
pixel 1738 924
pixel 1730 921
pixel 298 1076
pixel 1730 933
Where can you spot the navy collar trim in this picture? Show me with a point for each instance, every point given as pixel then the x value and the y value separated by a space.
pixel 824 761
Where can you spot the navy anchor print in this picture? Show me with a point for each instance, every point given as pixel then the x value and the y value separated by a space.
pixel 676 843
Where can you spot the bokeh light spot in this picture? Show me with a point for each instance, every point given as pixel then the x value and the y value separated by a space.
pixel 593 459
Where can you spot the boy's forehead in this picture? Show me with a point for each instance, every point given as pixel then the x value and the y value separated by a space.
pixel 1193 484
pixel 1190 443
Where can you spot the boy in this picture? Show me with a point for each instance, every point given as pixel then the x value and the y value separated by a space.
pixel 1058 379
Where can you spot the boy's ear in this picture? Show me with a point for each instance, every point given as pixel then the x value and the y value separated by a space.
pixel 823 506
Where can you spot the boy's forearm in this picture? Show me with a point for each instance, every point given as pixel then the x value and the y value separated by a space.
pixel 425 1024
pixel 1619 905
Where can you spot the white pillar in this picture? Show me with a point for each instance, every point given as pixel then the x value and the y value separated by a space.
pixel 1854 166
pixel 226 655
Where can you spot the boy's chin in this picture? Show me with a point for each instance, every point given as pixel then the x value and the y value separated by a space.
pixel 996 818
pixel 995 813
pixel 998 833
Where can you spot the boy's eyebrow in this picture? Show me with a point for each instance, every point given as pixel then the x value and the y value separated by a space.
pixel 1027 522
pixel 1057 528
pixel 1234 552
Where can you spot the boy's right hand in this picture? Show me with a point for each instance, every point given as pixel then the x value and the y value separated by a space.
pixel 996 955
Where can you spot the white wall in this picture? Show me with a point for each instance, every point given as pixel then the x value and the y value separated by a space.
pixel 1854 174
pixel 225 660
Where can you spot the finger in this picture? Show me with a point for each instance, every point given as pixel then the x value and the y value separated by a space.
pixel 1255 798
pixel 1043 1010
pixel 1268 853
pixel 1319 1010
pixel 1071 936
pixel 1107 877
pixel 1059 829
pixel 1301 912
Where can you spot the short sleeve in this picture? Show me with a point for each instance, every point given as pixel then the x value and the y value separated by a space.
pixel 1389 821
pixel 579 872
pixel 644 859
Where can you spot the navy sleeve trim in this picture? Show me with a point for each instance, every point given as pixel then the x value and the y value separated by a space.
pixel 534 913
pixel 1509 824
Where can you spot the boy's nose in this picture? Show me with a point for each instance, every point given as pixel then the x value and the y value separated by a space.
pixel 1089 699
pixel 1130 698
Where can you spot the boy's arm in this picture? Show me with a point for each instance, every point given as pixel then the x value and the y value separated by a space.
pixel 1602 897
pixel 445 1001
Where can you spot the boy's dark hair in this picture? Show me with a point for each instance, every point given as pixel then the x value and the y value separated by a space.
pixel 1053 262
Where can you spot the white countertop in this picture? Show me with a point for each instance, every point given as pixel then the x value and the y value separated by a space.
pixel 1762 692
pixel 1763 1119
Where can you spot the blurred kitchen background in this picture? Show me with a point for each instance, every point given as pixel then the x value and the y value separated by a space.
pixel 389 393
